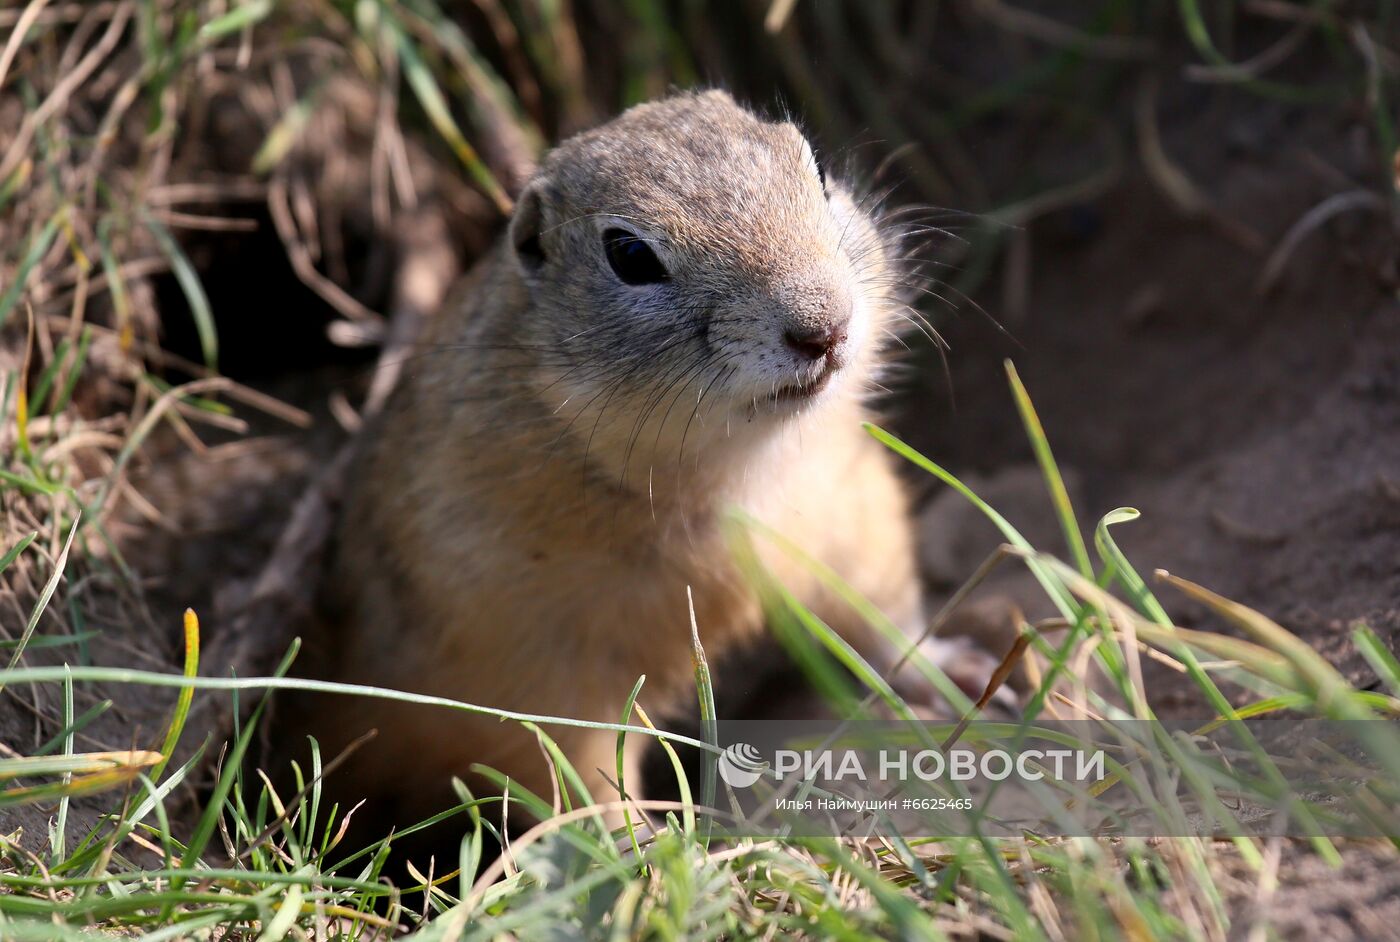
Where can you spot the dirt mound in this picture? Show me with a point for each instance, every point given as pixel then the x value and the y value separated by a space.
pixel 1257 430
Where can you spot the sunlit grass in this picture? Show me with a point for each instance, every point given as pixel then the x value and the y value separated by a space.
pixel 270 862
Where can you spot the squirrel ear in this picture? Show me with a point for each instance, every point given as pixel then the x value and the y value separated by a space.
pixel 526 225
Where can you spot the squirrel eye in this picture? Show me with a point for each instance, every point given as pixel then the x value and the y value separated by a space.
pixel 632 259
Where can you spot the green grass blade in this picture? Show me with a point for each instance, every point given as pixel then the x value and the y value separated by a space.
pixel 13 552
pixel 1370 645
pixel 430 96
pixel 1059 494
pixel 41 388
pixel 186 697
pixel 621 756
pixel 75 371
pixel 705 690
pixel 38 248
pixel 241 17
pixel 1061 596
pixel 682 780
pixel 124 675
pixel 76 726
pixel 285 133
pixel 1123 571
pixel 58 841
pixel 42 603
pixel 208 821
pixel 188 280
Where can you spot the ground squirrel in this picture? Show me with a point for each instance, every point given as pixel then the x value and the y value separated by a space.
pixel 685 316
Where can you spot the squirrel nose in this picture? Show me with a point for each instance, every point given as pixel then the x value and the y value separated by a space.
pixel 815 343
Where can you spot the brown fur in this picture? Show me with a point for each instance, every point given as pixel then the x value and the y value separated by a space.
pixel 553 472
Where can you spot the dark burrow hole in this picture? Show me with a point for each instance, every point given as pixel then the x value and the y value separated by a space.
pixel 269 322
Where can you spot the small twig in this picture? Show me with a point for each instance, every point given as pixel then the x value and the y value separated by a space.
pixel 279 205
pixel 206 223
pixel 1003 671
pixel 236 189
pixel 64 90
pixel 245 394
pixel 1177 186
pixel 22 25
pixel 65 13
pixel 1254 67
pixel 1240 531
pixel 1069 194
pixel 1310 221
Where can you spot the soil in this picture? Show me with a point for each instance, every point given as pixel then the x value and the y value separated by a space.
pixel 1259 434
